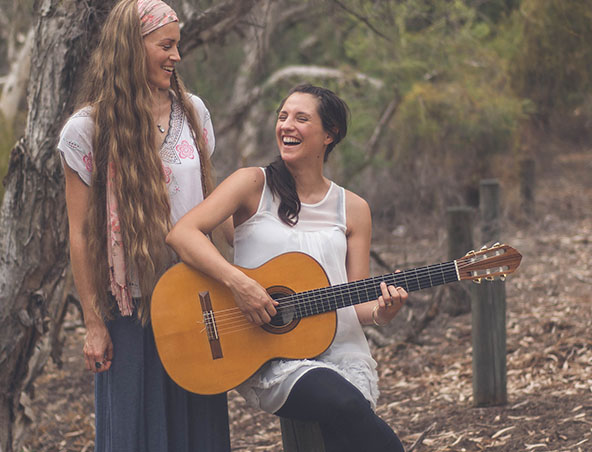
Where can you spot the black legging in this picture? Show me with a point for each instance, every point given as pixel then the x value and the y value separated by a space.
pixel 345 417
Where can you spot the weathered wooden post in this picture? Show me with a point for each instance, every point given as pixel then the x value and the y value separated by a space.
pixel 460 240
pixel 298 436
pixel 527 186
pixel 488 307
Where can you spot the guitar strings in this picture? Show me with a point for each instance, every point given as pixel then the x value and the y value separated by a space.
pixel 350 287
pixel 321 294
pixel 235 321
pixel 232 320
pixel 354 287
pixel 228 322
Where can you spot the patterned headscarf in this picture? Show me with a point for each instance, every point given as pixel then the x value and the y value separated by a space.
pixel 155 14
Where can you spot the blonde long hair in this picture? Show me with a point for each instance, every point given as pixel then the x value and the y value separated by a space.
pixel 116 87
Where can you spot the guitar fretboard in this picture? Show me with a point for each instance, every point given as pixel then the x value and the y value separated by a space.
pixel 330 298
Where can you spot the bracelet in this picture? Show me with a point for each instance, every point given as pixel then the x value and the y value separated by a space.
pixel 374 316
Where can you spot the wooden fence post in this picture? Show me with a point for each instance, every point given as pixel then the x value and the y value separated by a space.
pixel 527 186
pixel 298 436
pixel 460 240
pixel 488 308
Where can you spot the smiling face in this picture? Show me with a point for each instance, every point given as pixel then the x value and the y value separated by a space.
pixel 299 129
pixel 162 54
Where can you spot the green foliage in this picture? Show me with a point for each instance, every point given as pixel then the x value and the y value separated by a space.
pixel 459 126
pixel 552 64
pixel 448 62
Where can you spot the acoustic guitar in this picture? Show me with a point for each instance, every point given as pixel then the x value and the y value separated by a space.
pixel 207 346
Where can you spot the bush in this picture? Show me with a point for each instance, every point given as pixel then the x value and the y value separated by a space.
pixel 552 64
pixel 456 131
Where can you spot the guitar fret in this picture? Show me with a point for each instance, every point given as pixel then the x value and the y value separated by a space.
pixel 376 287
pixel 426 282
pixel 309 304
pixel 406 287
pixel 430 276
pixel 366 290
pixel 312 305
pixel 451 273
pixel 331 301
pixel 436 277
pixel 300 305
pixel 349 294
pixel 323 304
pixel 412 282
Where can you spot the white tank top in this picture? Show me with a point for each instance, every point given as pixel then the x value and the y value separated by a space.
pixel 320 232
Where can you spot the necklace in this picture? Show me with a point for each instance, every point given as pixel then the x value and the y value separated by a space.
pixel 159 126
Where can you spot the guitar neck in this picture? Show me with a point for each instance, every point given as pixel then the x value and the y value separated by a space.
pixel 331 298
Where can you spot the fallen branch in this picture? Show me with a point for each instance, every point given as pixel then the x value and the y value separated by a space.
pixel 419 440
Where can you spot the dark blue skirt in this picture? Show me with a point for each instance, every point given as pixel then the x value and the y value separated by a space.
pixel 138 408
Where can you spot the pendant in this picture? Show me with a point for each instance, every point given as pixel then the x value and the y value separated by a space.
pixel 161 128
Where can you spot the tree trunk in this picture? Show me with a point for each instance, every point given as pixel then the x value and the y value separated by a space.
pixel 34 245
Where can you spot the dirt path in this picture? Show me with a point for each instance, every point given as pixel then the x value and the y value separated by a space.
pixel 428 383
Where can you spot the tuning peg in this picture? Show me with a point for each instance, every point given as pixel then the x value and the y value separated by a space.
pixel 477 281
pixel 496 244
pixel 503 277
pixel 489 278
pixel 483 248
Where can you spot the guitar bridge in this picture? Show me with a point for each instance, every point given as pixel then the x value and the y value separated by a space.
pixel 210 323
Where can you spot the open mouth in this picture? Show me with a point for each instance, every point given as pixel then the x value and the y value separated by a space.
pixel 291 141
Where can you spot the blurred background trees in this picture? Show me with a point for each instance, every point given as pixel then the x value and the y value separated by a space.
pixel 441 91
pixel 16 41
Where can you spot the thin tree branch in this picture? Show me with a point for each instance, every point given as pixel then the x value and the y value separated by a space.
pixel 362 19
pixel 214 23
pixel 371 148
pixel 300 72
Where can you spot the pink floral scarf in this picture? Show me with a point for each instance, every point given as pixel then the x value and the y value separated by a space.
pixel 155 14
pixel 115 252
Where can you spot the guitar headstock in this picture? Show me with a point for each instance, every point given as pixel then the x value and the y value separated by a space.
pixel 488 263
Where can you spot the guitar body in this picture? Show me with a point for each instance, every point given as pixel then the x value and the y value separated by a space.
pixel 214 354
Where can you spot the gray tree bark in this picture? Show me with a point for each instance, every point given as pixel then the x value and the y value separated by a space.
pixel 34 243
pixel 34 266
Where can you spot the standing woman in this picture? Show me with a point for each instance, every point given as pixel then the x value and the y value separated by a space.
pixel 136 159
pixel 291 206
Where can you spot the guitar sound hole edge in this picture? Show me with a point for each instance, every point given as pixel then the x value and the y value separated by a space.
pixel 284 320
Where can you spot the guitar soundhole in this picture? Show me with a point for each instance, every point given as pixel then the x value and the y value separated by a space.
pixel 284 320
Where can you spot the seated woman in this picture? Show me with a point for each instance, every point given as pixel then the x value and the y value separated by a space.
pixel 291 206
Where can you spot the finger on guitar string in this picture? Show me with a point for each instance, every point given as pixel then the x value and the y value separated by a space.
pixel 387 297
pixel 253 300
pixel 403 295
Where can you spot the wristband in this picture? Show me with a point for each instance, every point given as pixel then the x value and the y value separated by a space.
pixel 374 316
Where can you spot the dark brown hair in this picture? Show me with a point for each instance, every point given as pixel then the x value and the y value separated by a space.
pixel 334 114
